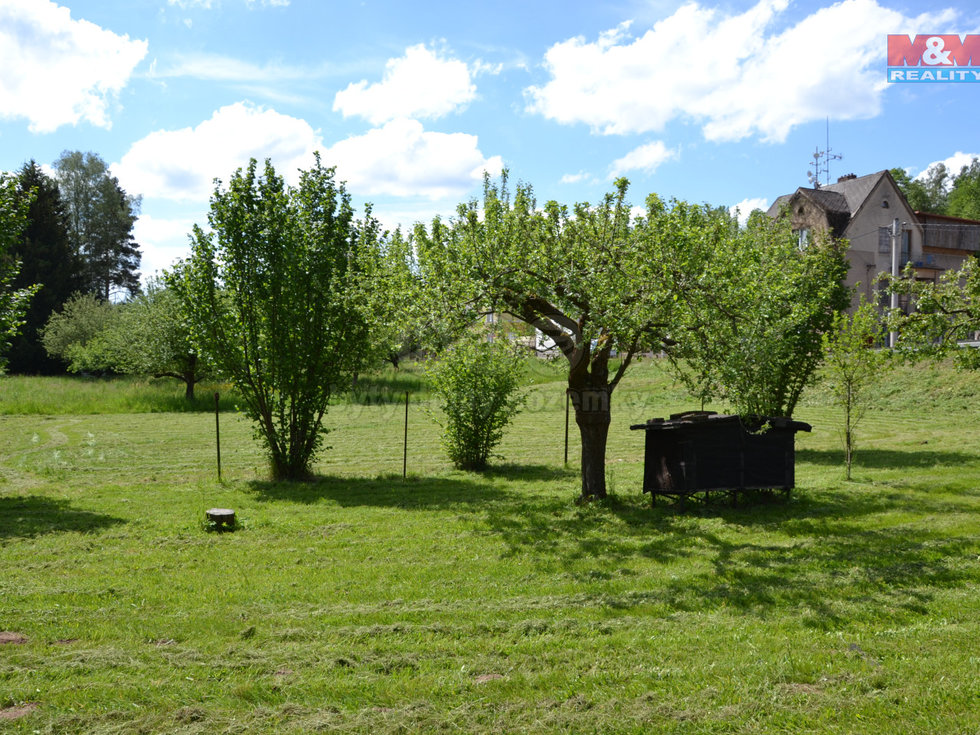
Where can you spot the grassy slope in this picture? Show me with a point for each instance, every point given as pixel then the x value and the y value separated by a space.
pixel 454 601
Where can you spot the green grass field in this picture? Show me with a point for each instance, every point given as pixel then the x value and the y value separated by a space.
pixel 456 602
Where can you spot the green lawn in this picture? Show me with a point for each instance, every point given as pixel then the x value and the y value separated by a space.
pixel 456 602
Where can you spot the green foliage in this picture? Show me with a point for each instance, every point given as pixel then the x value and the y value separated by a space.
pixel 101 216
pixel 946 312
pixel 47 259
pixel 276 296
pixel 111 394
pixel 927 194
pixel 852 366
pixel 83 334
pixel 942 191
pixel 477 383
pixel 581 276
pixel 13 301
pixel 964 197
pixel 147 335
pixel 755 306
pixel 151 337
pixel 398 329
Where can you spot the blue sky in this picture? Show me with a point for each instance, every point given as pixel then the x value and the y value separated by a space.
pixel 717 102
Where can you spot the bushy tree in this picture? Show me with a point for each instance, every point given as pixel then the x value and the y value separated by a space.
pixel 945 313
pixel 584 277
pixel 853 364
pixel 755 307
pixel 100 218
pixel 13 301
pixel 83 334
pixel 477 382
pixel 46 259
pixel 942 191
pixel 275 295
pixel 964 197
pixel 151 337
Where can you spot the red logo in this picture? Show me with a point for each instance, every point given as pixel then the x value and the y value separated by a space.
pixel 936 50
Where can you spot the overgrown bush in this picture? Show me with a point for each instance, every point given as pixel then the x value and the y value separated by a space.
pixel 477 384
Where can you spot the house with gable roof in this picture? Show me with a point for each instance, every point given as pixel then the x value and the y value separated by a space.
pixel 862 209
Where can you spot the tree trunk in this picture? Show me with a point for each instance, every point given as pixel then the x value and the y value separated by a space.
pixel 593 417
pixel 190 376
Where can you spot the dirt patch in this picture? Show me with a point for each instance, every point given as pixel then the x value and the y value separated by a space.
pixel 21 710
pixel 7 636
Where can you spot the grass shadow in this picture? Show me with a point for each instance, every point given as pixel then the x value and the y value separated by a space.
pixel 529 472
pixel 885 458
pixel 387 491
pixel 814 552
pixel 35 515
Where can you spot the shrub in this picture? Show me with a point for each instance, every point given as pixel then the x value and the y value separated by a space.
pixel 477 384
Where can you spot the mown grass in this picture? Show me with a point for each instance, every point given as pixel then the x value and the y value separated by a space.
pixel 450 601
pixel 106 395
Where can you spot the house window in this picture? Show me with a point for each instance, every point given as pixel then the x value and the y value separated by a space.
pixel 884 240
pixel 906 255
pixel 802 237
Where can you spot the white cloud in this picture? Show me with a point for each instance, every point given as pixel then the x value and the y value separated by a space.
pixel 402 159
pixel 162 241
pixel 399 159
pixel 59 71
pixel 272 81
pixel 577 178
pixel 745 207
pixel 181 164
pixel 647 158
pixel 738 75
pixel 953 164
pixel 217 68
pixel 420 84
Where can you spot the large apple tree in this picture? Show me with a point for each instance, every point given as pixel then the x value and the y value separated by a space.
pixel 600 287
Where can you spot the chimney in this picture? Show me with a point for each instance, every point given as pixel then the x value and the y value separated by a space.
pixel 846 177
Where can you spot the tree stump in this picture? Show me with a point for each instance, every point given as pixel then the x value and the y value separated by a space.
pixel 221 517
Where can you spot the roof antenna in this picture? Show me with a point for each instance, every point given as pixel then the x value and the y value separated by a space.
pixel 821 162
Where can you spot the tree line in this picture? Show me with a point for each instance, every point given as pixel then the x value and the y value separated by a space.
pixel 942 191
pixel 76 238
pixel 288 295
